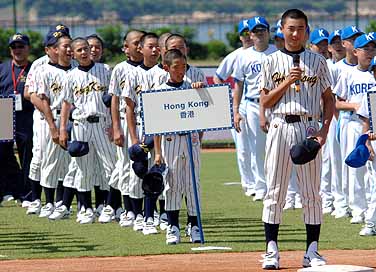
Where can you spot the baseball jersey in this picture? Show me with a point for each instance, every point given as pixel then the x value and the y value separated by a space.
pixel 354 84
pixel 340 67
pixel 363 109
pixel 314 82
pixel 226 67
pixel 247 69
pixel 33 72
pixel 84 87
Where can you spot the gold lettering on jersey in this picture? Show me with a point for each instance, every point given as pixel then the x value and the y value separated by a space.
pixel 122 84
pixel 93 86
pixel 55 88
pixel 310 79
pixel 278 77
pixel 138 89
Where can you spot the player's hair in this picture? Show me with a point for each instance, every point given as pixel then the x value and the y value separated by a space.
pixel 171 55
pixel 294 14
pixel 59 39
pixel 175 36
pixel 95 36
pixel 162 39
pixel 77 40
pixel 148 35
pixel 133 31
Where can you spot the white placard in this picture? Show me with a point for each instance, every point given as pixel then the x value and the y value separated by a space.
pixel 371 96
pixel 186 110
pixel 7 119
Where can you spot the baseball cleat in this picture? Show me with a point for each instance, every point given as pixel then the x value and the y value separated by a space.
pixel 327 210
pixel 195 235
pixel 342 214
pixel 25 204
pixel 172 235
pixel 34 207
pixel 60 213
pixel 88 217
pixel 368 230
pixel 138 223
pixel 313 259
pixel 107 214
pixel 149 227
pixel 118 214
pixel 357 220
pixel 271 257
pixel 98 210
pixel 127 220
pixel 46 210
pixel 156 219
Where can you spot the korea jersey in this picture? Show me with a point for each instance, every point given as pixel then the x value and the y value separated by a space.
pixel 248 67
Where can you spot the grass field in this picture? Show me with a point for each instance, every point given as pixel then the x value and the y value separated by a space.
pixel 229 219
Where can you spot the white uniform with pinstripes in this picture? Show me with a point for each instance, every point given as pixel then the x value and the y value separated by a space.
pixel 352 87
pixel 282 136
pixel 32 76
pixel 120 177
pixel 85 89
pixel 55 160
pixel 179 177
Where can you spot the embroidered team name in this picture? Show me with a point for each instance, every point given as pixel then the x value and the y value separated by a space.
pixel 360 88
pixel 93 86
pixel 278 78
pixel 55 88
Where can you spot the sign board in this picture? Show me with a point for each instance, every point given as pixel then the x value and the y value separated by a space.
pixel 7 119
pixel 186 110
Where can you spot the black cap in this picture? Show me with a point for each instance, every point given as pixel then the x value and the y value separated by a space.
pixel 305 151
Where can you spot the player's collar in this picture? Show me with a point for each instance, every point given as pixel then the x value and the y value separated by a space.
pixel 175 85
pixel 291 53
pixel 134 63
pixel 146 68
pixel 86 68
pixel 65 68
pixel 160 65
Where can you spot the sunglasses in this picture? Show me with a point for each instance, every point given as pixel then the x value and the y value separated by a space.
pixel 17 46
pixel 244 33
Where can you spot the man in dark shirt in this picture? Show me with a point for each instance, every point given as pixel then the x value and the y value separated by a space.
pixel 15 181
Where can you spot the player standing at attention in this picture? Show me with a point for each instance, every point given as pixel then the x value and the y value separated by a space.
pixel 173 149
pixel 246 106
pixel 293 97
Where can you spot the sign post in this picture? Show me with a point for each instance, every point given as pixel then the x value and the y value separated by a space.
pixel 176 111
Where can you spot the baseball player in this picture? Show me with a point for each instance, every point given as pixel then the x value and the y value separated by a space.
pixel 119 180
pixel 54 161
pixel 351 89
pixel 293 97
pixel 173 149
pixel 84 87
pixel 246 107
pixel 348 36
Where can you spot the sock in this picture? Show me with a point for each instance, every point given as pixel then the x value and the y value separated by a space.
pixel 104 196
pixel 79 202
pixel 271 233
pixel 150 203
pixel 173 218
pixel 87 196
pixel 98 196
pixel 82 200
pixel 313 234
pixel 162 206
pixel 59 191
pixel 36 190
pixel 114 198
pixel 68 196
pixel 137 205
pixel 193 220
pixel 49 193
pixel 127 203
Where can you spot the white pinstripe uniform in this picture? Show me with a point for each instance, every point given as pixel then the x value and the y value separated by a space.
pixel 282 135
pixel 84 88
pixel 55 160
pixel 120 177
pixel 251 139
pixel 341 67
pixel 352 87
pixel 179 177
pixel 32 76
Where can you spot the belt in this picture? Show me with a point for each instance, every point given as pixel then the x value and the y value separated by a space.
pixel 256 100
pixel 93 119
pixel 296 118
pixel 183 134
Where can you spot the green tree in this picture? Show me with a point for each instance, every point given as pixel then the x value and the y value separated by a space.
pixel 113 41
pixel 371 27
pixel 233 38
pixel 217 49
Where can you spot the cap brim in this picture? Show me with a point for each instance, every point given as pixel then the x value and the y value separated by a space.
pixel 318 40
pixel 260 26
pixel 18 41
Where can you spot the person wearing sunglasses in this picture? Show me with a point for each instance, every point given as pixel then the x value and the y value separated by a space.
pixel 12 81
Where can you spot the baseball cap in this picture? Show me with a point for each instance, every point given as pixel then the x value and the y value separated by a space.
pixel 359 156
pixel 153 182
pixel 243 25
pixel 278 33
pixel 365 39
pixel 20 38
pixel 373 63
pixel 350 31
pixel 335 33
pixel 318 35
pixel 305 151
pixel 52 37
pixel 61 28
pixel 78 148
pixel 257 21
pixel 140 168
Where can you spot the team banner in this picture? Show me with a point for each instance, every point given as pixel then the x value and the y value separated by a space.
pixel 7 119
pixel 186 110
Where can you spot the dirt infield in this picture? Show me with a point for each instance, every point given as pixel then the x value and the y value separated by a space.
pixel 213 262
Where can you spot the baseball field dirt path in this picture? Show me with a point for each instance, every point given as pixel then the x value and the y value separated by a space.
pixel 213 262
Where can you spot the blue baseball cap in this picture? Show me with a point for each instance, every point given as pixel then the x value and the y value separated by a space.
pixel 258 21
pixel 350 31
pixel 365 39
pixel 359 156
pixel 20 38
pixel 318 35
pixel 373 63
pixel 60 28
pixel 78 148
pixel 278 33
pixel 335 33
pixel 52 37
pixel 243 25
